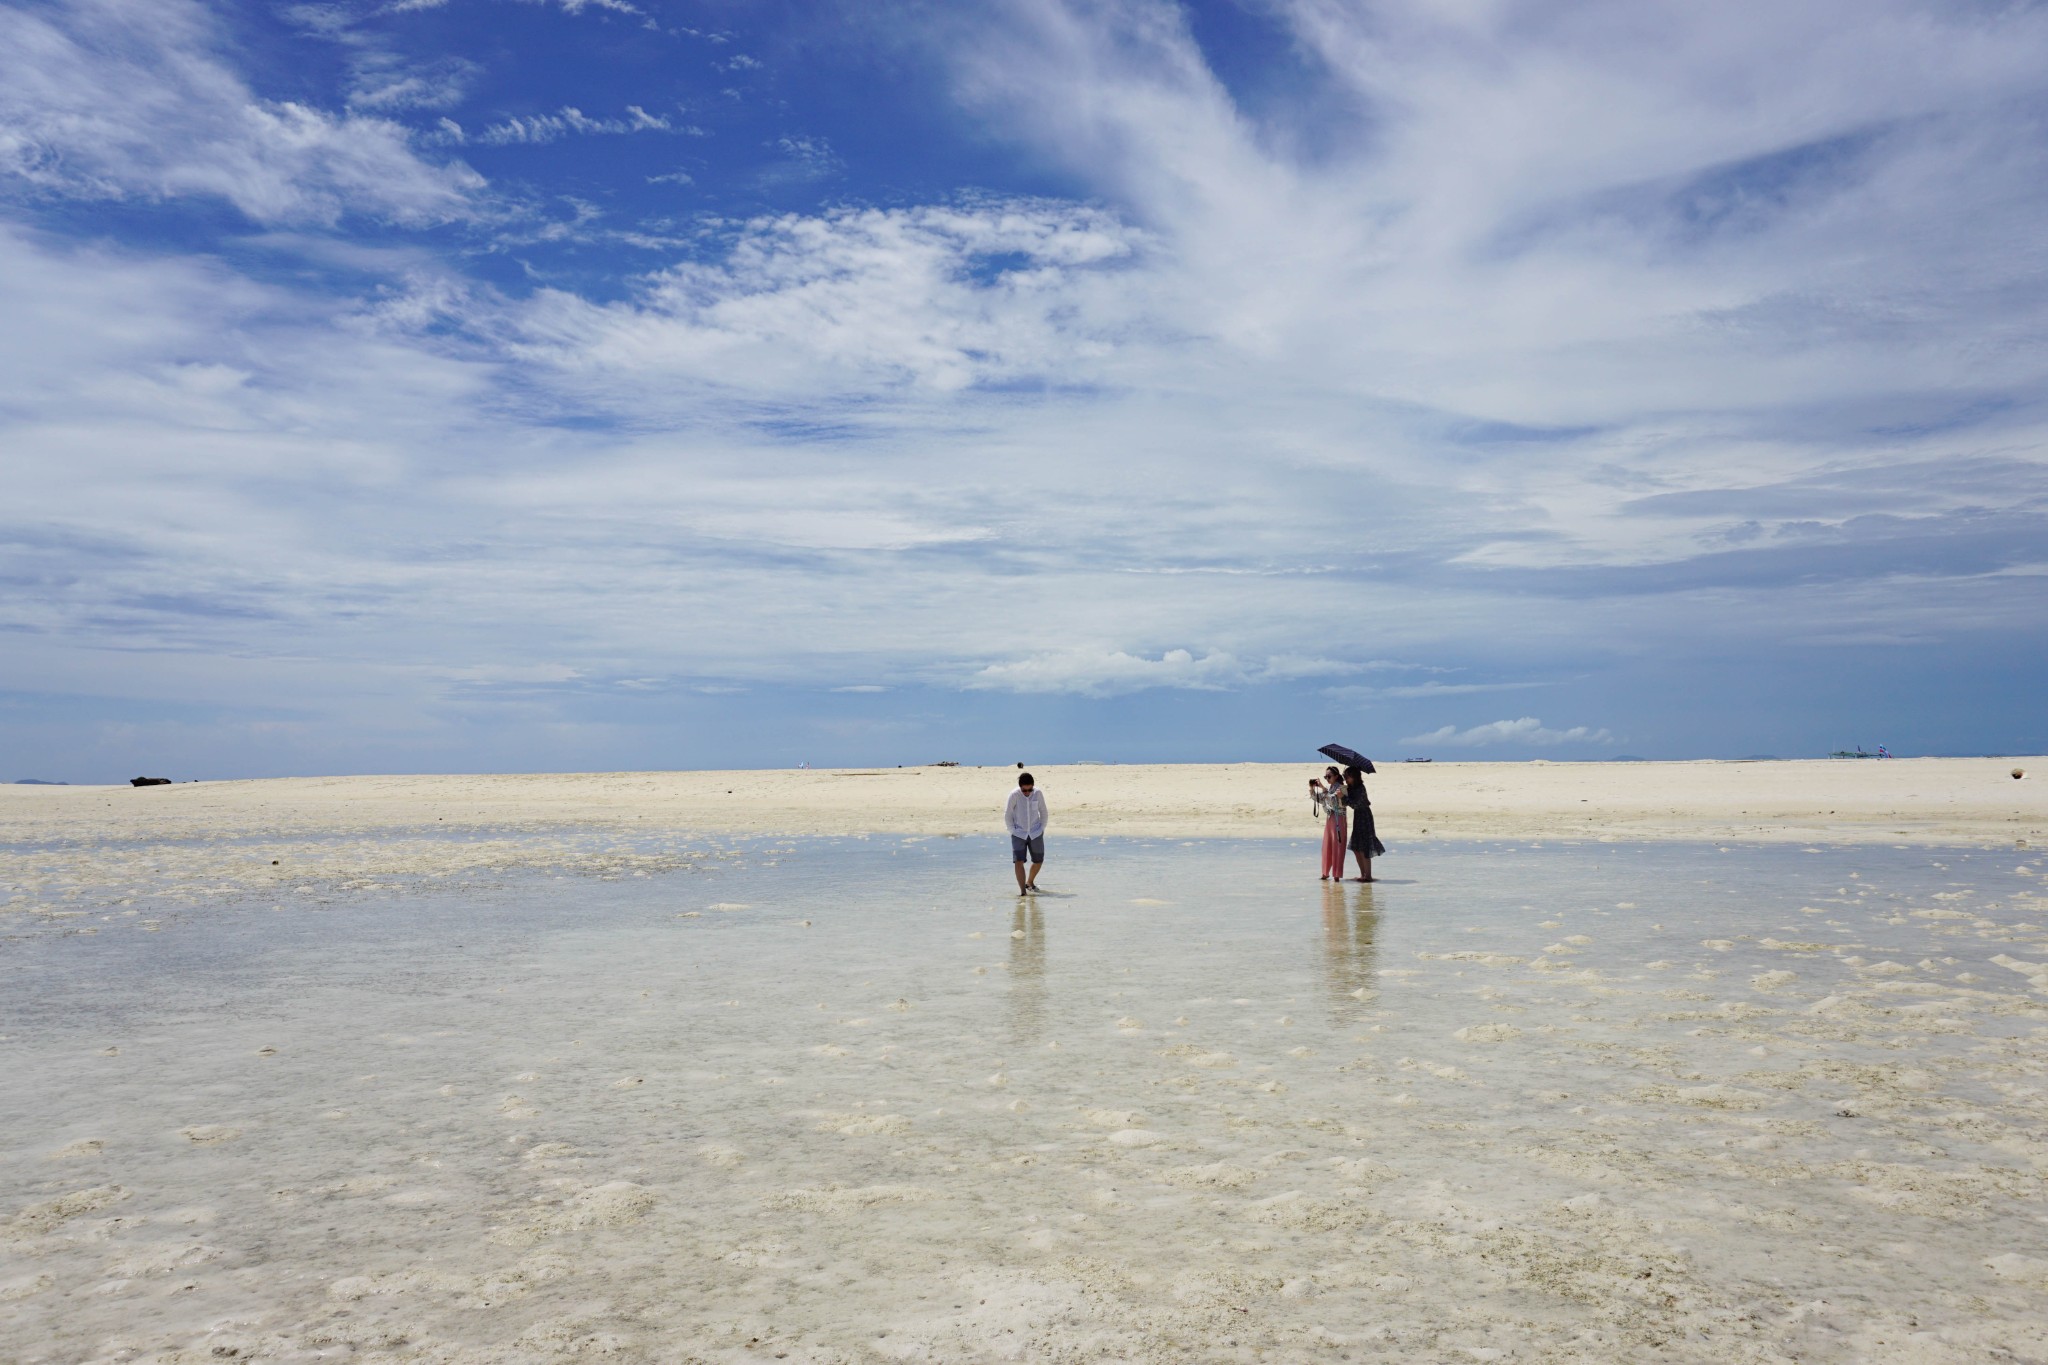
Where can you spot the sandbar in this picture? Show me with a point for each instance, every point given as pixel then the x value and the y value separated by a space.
pixel 1919 801
pixel 196 842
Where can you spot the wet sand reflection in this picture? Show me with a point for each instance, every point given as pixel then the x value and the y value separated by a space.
pixel 1350 951
pixel 1027 971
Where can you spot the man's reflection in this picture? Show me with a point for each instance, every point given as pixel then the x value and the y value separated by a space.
pixel 1350 953
pixel 1027 971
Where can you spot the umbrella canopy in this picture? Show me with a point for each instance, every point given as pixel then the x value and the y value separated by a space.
pixel 1343 755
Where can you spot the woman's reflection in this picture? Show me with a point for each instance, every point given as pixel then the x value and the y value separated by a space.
pixel 1027 971
pixel 1350 953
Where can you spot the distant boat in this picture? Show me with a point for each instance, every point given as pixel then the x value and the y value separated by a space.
pixel 1860 752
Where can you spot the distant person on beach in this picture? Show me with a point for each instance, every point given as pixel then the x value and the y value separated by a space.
pixel 1025 816
pixel 1327 792
pixel 1365 840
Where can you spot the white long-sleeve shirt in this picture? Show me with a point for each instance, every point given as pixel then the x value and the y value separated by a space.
pixel 1025 814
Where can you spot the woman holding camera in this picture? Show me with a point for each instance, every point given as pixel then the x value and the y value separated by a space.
pixel 1327 792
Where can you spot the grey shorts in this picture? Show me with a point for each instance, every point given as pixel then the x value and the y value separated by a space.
pixel 1020 847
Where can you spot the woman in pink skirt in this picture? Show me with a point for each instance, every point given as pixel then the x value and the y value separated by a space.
pixel 1328 794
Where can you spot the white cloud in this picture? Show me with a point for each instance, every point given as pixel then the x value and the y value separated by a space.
pixel 1288 667
pixel 1106 672
pixel 380 86
pixel 125 99
pixel 382 75
pixel 1405 374
pixel 1663 225
pixel 850 302
pixel 567 6
pixel 569 121
pixel 1101 673
pixel 497 675
pixel 1411 691
pixel 804 159
pixel 1527 730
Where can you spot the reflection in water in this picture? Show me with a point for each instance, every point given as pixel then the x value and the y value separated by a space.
pixel 1350 955
pixel 1027 971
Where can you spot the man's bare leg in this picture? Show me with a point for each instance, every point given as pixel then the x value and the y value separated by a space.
pixel 1032 884
pixel 1021 884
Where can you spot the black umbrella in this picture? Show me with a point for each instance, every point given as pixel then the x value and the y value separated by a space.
pixel 1351 757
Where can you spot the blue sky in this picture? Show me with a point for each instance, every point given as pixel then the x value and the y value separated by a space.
pixel 568 384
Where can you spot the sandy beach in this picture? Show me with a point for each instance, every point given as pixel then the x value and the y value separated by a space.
pixel 1945 801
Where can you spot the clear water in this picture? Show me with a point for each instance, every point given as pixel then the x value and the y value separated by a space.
pixel 846 1100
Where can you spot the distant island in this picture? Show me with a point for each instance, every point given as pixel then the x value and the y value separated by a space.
pixel 38 782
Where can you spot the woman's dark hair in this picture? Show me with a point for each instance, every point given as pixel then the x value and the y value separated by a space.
pixel 1354 777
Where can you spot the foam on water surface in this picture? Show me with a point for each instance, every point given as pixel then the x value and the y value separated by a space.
pixel 847 1101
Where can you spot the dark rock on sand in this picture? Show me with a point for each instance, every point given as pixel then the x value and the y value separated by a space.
pixel 149 781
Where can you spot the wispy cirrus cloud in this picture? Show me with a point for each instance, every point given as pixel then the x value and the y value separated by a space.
pixel 800 160
pixel 390 85
pixel 572 122
pixel 383 77
pixel 566 6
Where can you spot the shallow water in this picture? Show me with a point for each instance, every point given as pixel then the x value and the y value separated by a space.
pixel 844 1100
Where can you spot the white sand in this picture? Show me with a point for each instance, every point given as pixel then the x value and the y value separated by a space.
pixel 1916 801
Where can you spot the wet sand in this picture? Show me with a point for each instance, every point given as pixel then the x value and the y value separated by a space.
pixel 842 1101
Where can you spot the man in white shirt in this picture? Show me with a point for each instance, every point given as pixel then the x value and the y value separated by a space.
pixel 1025 816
